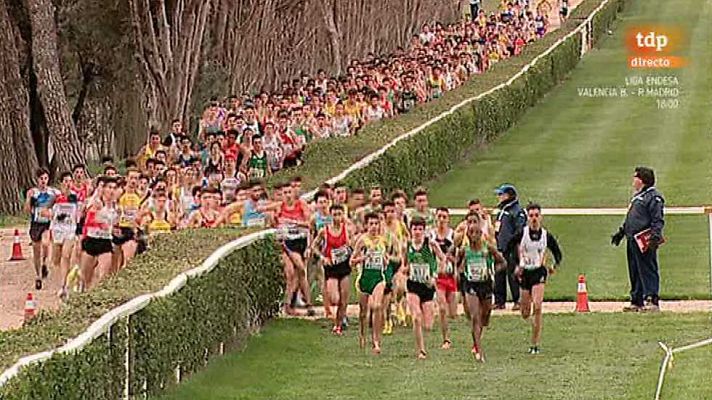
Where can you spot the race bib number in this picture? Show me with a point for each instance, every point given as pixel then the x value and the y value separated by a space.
pixel 340 255
pixel 420 273
pixel 477 272
pixel 256 173
pixel 374 261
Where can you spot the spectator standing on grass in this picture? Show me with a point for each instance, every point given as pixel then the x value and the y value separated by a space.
pixel 510 219
pixel 645 211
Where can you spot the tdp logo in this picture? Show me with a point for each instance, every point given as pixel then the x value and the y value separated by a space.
pixel 652 40
pixel 655 46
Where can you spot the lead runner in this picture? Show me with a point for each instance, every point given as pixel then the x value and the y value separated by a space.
pixel 532 242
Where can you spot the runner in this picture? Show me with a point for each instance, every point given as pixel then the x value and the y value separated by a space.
pixel 293 221
pixel 446 283
pixel 479 260
pixel 207 215
pixel 39 203
pixel 65 214
pixel 159 219
pixel 533 241
pixel 396 233
pixel 421 208
pixel 423 260
pixel 129 204
pixel 257 165
pixel 400 199
pixel 101 216
pixel 370 253
pixel 318 220
pixel 335 257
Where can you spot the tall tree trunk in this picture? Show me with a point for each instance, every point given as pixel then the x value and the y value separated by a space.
pixel 17 159
pixel 50 87
pixel 168 51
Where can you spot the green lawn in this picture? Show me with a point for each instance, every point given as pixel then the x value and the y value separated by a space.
pixel 294 359
pixel 580 151
pixel 585 242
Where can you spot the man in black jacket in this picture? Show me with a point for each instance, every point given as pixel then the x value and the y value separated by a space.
pixel 510 219
pixel 644 212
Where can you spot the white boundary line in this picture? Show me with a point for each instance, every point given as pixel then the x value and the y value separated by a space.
pixel 609 211
pixel 101 325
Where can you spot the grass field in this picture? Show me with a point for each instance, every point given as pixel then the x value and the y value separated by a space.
pixel 572 151
pixel 294 359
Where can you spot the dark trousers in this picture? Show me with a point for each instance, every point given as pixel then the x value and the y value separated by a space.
pixel 474 9
pixel 644 274
pixel 500 283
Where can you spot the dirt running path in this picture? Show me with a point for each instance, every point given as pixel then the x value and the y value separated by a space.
pixel 563 307
pixel 18 278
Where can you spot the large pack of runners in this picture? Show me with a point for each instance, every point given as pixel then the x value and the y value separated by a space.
pixel 403 262
pixel 88 228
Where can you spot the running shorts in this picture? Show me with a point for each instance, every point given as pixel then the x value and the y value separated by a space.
pixel 531 277
pixel 127 234
pixel 446 283
pixel 483 290
pixel 390 273
pixel 96 247
pixel 37 229
pixel 461 284
pixel 368 281
pixel 423 291
pixel 59 237
pixel 296 246
pixel 338 271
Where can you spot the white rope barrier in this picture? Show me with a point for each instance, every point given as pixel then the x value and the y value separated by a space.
pixel 668 359
pixel 608 211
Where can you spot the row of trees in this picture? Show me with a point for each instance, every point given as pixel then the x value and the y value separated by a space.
pixel 83 78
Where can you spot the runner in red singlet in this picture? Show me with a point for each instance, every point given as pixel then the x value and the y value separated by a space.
pixel 293 222
pixel 101 217
pixel 335 256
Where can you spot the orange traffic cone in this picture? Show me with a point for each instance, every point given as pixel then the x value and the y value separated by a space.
pixel 16 248
pixel 29 308
pixel 582 295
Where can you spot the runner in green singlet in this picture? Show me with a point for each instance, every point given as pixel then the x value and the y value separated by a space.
pixel 422 262
pixel 257 165
pixel 479 260
pixel 370 253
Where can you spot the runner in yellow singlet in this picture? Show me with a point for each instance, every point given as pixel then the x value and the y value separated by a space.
pixel 370 254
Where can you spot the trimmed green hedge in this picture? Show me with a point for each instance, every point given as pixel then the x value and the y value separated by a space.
pixel 225 305
pixel 496 113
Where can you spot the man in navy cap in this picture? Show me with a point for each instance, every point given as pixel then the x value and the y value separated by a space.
pixel 645 213
pixel 510 219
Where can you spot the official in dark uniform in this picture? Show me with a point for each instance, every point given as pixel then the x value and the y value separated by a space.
pixel 644 212
pixel 510 219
